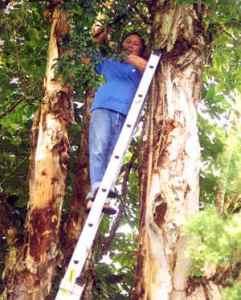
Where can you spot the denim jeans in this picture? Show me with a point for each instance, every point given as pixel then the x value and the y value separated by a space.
pixel 105 128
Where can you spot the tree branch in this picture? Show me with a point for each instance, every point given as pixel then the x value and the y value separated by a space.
pixel 11 108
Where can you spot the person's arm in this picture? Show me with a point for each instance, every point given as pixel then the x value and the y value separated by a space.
pixel 99 36
pixel 138 61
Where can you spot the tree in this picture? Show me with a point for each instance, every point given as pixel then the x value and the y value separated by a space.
pixel 170 183
pixel 183 31
pixel 32 278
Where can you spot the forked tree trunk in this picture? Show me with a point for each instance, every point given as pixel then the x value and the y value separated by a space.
pixel 30 275
pixel 171 157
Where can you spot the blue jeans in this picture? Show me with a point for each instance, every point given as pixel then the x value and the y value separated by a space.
pixel 105 128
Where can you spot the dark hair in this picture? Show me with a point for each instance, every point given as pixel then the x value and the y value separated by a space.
pixel 143 48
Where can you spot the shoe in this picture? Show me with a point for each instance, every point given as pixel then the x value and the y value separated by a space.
pixel 107 209
pixel 113 193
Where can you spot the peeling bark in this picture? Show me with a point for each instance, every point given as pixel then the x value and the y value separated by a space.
pixel 30 275
pixel 170 172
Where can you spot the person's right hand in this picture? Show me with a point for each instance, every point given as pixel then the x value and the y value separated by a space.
pixel 99 33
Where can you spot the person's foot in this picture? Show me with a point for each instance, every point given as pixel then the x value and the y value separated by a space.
pixel 113 193
pixel 107 209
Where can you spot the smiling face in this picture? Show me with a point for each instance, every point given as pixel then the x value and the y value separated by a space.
pixel 133 44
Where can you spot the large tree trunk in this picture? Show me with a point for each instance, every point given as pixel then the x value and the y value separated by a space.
pixel 170 172
pixel 30 276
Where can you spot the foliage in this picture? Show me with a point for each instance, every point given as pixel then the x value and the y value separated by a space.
pixel 218 246
pixel 216 249
pixel 23 38
pixel 212 144
pixel 221 141
pixel 232 293
pixel 24 34
pixel 220 94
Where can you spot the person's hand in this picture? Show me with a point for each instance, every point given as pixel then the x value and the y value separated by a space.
pixel 85 60
pixel 99 34
pixel 139 62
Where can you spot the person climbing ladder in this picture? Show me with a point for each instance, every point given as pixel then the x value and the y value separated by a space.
pixel 111 105
pixel 71 287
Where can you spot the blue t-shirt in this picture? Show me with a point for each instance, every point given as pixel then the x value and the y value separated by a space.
pixel 117 93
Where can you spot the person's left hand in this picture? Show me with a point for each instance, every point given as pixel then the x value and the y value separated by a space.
pixel 137 61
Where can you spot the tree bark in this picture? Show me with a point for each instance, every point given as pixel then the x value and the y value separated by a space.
pixel 205 290
pixel 171 156
pixel 30 276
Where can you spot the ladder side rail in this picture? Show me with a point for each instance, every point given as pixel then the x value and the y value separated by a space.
pixel 84 244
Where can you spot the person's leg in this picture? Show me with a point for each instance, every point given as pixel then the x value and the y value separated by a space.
pixel 99 136
pixel 117 121
pixel 99 140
